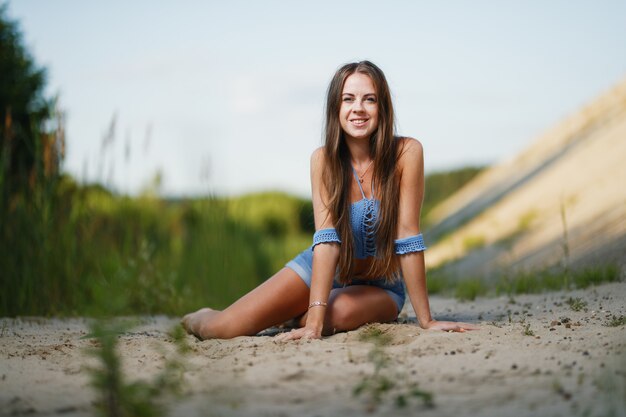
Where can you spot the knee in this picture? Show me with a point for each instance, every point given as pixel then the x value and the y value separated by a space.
pixel 343 315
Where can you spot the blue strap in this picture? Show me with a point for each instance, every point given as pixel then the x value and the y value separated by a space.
pixel 358 181
pixel 410 244
pixel 325 236
pixel 356 177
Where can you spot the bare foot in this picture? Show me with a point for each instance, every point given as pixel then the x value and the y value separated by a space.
pixel 193 322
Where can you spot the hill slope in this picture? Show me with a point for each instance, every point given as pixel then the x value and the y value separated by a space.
pixel 560 201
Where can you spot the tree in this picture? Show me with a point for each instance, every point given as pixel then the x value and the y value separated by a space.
pixel 31 133
pixel 31 151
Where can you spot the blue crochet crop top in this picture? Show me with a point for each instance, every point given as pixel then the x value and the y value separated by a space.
pixel 363 215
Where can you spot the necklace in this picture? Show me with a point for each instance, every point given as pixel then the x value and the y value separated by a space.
pixel 362 176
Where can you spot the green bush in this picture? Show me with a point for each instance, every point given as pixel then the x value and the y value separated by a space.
pixel 97 253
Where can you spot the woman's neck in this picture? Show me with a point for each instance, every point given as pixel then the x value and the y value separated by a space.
pixel 359 151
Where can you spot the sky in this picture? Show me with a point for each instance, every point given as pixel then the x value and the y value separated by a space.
pixel 226 97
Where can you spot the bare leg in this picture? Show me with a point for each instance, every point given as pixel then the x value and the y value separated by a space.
pixel 278 299
pixel 353 306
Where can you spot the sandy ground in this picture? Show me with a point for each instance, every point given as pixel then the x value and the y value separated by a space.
pixel 573 364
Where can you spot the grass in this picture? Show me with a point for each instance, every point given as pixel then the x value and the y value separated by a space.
pixel 117 397
pixel 527 331
pixel 577 304
pixel 616 321
pixel 438 282
pixel 385 381
pixel 414 391
pixel 375 335
pixel 554 280
pixel 81 250
pixel 467 289
pixel 375 386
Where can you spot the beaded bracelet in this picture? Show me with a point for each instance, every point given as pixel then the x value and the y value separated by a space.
pixel 317 303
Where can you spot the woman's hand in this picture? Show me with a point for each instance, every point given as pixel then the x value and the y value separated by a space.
pixel 450 326
pixel 301 333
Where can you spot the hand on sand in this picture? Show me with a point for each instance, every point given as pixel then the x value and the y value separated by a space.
pixel 450 326
pixel 301 333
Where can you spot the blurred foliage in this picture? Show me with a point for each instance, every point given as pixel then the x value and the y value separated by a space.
pixel 31 150
pixel 529 282
pixel 468 290
pixel 473 242
pixel 98 253
pixel 79 249
pixel 117 397
pixel 441 185
pixel 31 133
pixel 446 281
pixel 266 213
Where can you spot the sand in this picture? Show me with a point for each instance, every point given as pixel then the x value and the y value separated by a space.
pixel 572 364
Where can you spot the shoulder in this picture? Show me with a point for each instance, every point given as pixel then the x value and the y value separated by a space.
pixel 317 158
pixel 317 154
pixel 410 151
pixel 317 163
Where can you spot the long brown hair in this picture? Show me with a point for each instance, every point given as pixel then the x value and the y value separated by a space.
pixel 338 174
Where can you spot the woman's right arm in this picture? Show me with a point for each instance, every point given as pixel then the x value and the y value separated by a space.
pixel 325 256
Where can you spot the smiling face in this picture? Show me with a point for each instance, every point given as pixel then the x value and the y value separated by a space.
pixel 358 113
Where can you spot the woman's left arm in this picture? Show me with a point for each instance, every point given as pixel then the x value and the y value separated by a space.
pixel 411 165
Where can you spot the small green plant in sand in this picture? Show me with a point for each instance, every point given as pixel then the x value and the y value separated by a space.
pixel 116 396
pixel 577 304
pixel 415 392
pixel 377 384
pixel 375 335
pixel 382 382
pixel 616 321
pixel 527 331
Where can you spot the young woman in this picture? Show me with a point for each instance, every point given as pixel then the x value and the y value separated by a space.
pixel 367 189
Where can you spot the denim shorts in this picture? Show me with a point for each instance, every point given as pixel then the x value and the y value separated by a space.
pixel 302 264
